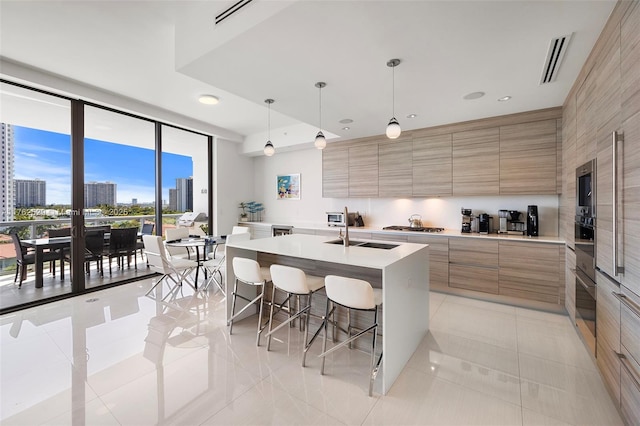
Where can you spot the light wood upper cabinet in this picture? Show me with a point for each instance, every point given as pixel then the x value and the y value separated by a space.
pixel 454 159
pixel 335 171
pixel 630 62
pixel 432 166
pixel 395 173
pixel 363 170
pixel 476 162
pixel 528 158
pixel 586 120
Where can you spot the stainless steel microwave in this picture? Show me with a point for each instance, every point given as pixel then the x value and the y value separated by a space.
pixel 338 219
pixel 335 219
pixel 585 190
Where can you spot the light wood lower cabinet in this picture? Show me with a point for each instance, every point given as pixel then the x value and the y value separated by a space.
pixel 607 312
pixel 609 364
pixel 630 388
pixel 532 271
pixel 473 264
pixel 438 259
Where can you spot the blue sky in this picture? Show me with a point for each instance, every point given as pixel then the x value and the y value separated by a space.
pixel 47 156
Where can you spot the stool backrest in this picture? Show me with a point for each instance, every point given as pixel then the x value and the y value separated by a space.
pixel 240 230
pixel 289 279
pixel 350 292
pixel 247 270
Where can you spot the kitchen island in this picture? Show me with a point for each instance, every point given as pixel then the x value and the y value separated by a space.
pixel 401 272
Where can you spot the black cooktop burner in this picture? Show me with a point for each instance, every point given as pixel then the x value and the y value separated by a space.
pixel 408 228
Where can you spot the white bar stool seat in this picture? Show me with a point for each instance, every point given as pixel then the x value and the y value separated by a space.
pixel 294 283
pixel 355 294
pixel 249 272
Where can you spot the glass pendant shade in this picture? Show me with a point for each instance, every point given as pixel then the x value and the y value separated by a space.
pixel 320 141
pixel 269 149
pixel 393 129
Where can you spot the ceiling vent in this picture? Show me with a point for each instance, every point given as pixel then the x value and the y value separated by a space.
pixel 231 10
pixel 557 49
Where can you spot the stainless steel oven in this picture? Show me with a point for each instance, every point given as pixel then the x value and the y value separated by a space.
pixel 585 223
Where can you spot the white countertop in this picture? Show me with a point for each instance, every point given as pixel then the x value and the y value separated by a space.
pixel 446 233
pixel 314 247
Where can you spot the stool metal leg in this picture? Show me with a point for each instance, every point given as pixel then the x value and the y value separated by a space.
pixel 260 327
pixel 234 295
pixel 273 302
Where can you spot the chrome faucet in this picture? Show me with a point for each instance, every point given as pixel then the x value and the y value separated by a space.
pixel 345 237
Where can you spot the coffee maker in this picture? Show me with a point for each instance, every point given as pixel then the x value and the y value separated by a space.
pixel 514 225
pixel 503 217
pixel 532 221
pixel 467 218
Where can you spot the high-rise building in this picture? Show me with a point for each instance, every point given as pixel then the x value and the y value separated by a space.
pixel 7 204
pixel 184 194
pixel 30 192
pixel 173 199
pixel 96 193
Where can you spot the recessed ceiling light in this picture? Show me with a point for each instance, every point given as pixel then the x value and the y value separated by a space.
pixel 504 98
pixel 208 99
pixel 473 95
pixel 346 121
pixel 346 128
pixel 412 115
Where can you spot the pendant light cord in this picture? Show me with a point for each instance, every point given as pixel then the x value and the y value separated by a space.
pixel 393 91
pixel 269 122
pixel 320 106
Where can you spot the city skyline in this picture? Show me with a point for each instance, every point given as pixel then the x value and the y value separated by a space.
pixel 46 156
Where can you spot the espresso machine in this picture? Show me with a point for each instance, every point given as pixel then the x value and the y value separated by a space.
pixel 467 219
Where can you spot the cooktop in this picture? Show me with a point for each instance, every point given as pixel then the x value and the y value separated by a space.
pixel 408 228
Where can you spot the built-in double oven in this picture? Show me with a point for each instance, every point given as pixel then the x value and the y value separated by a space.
pixel 585 223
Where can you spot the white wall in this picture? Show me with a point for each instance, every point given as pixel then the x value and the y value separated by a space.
pixel 378 212
pixel 233 183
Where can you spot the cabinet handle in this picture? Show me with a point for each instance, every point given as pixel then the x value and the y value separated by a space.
pixel 628 303
pixel 615 139
pixel 627 366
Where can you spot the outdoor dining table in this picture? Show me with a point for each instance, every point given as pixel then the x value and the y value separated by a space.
pixel 42 244
pixel 205 242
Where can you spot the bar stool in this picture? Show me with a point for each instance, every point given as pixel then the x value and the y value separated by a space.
pixel 354 294
pixel 248 271
pixel 294 283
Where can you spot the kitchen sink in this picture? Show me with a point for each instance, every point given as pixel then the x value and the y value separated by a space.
pixel 351 242
pixel 367 244
pixel 384 246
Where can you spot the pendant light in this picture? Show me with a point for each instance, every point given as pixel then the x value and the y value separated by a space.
pixel 269 149
pixel 320 141
pixel 393 128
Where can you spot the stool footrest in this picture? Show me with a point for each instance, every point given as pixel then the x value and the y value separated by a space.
pixel 346 342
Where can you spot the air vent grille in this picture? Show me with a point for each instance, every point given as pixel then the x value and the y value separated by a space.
pixel 557 49
pixel 231 10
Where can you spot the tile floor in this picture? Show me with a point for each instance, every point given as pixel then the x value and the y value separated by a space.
pixel 118 357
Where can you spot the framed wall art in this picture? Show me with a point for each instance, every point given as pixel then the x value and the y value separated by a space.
pixel 288 187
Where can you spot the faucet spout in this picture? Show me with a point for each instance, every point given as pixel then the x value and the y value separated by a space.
pixel 345 240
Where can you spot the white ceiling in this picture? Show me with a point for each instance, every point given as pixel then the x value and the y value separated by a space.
pixel 166 53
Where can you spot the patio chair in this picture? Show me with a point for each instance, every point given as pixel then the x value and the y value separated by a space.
pixel 175 271
pixel 122 242
pixel 24 258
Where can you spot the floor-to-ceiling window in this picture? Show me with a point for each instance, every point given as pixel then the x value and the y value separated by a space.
pixel 126 182
pixel 119 186
pixel 185 179
pixel 36 182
